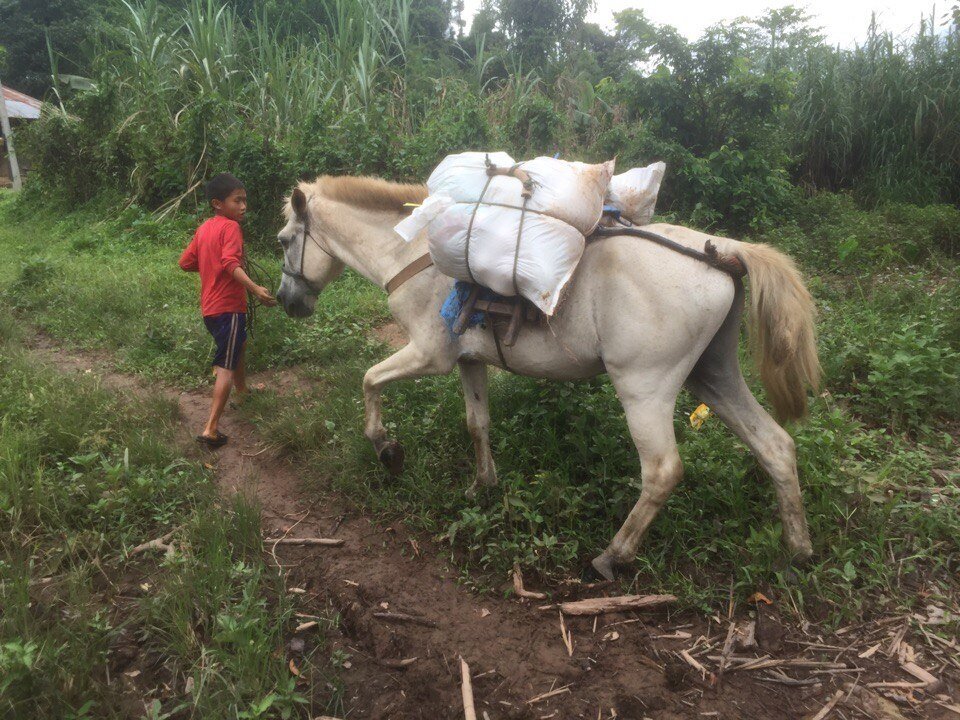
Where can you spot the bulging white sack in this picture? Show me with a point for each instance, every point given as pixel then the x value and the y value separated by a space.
pixel 548 254
pixel 635 192
pixel 433 206
pixel 569 191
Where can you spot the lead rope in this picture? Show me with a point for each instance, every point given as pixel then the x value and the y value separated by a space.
pixel 261 276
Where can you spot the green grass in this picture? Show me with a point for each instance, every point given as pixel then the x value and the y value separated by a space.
pixel 884 524
pixel 89 629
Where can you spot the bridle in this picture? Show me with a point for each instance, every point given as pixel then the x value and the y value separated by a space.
pixel 298 275
pixel 414 268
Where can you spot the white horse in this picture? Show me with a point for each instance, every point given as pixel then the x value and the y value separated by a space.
pixel 651 318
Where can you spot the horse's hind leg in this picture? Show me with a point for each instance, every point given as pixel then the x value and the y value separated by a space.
pixel 408 362
pixel 650 420
pixel 473 377
pixel 716 380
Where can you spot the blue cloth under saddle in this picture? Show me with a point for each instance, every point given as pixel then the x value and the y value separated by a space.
pixel 450 310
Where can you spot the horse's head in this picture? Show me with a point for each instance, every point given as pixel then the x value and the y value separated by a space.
pixel 308 263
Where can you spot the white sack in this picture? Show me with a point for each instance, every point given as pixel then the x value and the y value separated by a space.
pixel 569 191
pixel 634 193
pixel 463 176
pixel 411 226
pixel 549 251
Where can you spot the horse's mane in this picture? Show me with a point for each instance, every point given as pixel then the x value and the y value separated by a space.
pixel 366 192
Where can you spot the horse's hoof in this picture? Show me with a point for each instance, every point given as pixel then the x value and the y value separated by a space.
pixel 802 557
pixel 392 456
pixel 604 565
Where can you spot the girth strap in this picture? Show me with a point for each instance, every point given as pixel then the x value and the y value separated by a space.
pixel 417 266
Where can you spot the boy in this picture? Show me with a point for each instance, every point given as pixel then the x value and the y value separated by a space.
pixel 216 252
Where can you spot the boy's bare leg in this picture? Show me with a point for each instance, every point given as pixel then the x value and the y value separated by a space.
pixel 240 374
pixel 221 393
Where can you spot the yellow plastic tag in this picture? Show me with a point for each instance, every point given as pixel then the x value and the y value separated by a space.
pixel 698 416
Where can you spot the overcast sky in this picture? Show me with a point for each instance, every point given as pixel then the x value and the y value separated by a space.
pixel 844 22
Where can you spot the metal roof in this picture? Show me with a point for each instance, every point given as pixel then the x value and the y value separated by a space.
pixel 20 105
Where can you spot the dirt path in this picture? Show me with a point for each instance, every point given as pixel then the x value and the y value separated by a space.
pixel 617 669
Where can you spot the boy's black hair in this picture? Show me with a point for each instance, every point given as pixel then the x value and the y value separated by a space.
pixel 220 187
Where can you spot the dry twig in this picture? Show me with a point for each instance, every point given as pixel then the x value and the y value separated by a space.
pixel 546 695
pixel 160 543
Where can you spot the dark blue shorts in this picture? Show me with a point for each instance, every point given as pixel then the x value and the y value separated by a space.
pixel 229 331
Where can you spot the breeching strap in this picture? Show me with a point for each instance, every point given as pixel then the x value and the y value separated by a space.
pixel 729 264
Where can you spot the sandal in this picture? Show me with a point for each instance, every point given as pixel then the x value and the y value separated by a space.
pixel 213 442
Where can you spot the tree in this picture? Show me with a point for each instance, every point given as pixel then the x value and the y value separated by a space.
pixel 25 26
pixel 789 36
pixel 538 29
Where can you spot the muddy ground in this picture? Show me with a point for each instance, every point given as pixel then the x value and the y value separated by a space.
pixel 625 665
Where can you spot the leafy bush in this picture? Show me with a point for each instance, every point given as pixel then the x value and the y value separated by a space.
pixel 913 377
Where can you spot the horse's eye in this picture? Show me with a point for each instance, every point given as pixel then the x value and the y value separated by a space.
pixel 284 240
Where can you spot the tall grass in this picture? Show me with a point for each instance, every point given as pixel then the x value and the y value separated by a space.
pixel 274 95
pixel 884 115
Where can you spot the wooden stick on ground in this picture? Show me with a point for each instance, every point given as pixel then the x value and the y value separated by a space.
pixel 466 688
pixel 825 710
pixel 621 603
pixel 332 542
pixel 518 587
pixel 403 617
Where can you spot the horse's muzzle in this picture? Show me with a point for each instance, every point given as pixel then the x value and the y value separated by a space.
pixel 295 304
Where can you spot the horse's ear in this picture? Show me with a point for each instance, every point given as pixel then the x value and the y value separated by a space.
pixel 299 202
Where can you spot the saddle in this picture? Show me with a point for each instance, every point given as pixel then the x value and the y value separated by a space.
pixel 518 310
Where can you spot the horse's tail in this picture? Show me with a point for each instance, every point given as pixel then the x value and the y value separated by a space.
pixel 781 328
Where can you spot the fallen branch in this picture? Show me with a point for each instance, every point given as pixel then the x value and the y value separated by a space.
pixel 332 542
pixel 621 603
pixel 518 587
pixel 466 688
pixel 159 543
pixel 403 617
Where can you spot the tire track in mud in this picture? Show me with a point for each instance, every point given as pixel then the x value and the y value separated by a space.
pixel 515 652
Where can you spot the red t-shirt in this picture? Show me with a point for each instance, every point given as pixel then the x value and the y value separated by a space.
pixel 216 250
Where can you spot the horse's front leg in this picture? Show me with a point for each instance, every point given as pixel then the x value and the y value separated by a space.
pixel 473 377
pixel 409 362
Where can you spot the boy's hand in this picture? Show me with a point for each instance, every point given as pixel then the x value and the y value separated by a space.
pixel 264 296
